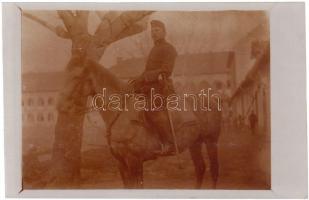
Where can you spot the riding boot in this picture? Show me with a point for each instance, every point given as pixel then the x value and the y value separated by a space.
pixel 160 123
pixel 167 144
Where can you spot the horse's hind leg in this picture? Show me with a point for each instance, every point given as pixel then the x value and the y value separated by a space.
pixel 131 174
pixel 139 175
pixel 124 173
pixel 199 164
pixel 212 150
pixel 135 169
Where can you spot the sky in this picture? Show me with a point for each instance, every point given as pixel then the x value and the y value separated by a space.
pixel 189 32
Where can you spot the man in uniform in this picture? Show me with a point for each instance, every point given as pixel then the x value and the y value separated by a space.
pixel 158 69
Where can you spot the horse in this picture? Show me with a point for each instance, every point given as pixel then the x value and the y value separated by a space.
pixel 133 143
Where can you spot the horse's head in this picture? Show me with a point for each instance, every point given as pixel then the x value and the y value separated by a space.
pixel 100 78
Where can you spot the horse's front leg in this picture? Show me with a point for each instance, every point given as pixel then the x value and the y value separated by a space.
pixel 135 168
pixel 131 170
pixel 199 164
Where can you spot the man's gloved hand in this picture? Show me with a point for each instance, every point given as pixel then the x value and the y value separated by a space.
pixel 162 75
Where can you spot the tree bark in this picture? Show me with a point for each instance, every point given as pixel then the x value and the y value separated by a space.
pixel 66 159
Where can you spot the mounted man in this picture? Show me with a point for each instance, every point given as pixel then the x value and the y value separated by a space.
pixel 156 78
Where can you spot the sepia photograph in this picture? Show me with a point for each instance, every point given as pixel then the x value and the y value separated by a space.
pixel 145 99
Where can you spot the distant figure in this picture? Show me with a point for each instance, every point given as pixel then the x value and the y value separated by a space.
pixel 253 121
pixel 242 123
pixel 235 123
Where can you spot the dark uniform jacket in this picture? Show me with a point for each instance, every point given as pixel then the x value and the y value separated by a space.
pixel 161 60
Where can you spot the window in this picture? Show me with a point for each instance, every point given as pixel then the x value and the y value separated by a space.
pixel 228 84
pixel 50 101
pixel 30 118
pixel 40 117
pixel 30 102
pixel 50 117
pixel 41 101
pixel 218 85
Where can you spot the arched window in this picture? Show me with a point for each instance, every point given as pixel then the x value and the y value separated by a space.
pixel 50 101
pixel 50 117
pixel 228 83
pixel 40 117
pixel 30 102
pixel 41 101
pixel 30 117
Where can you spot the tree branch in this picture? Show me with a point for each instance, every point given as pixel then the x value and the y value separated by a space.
pixel 122 26
pixel 58 30
pixel 82 13
pixel 129 31
pixel 107 19
pixel 134 22
pixel 100 14
pixel 67 18
pixel 103 15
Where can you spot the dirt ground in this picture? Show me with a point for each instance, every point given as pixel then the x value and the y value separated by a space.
pixel 244 161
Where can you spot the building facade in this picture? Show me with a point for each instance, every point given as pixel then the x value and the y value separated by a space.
pixel 253 94
pixel 191 71
pixel 39 98
pixel 39 108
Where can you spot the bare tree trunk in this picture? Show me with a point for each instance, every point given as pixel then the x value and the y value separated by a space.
pixel 66 159
pixel 71 109
pixel 67 151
